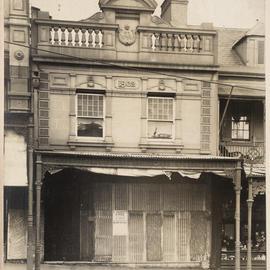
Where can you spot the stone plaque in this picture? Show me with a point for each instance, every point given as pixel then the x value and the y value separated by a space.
pixel 126 83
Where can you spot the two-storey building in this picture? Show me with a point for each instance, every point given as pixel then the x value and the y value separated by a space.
pixel 137 134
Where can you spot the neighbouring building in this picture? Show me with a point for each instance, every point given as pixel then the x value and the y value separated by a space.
pixel 139 140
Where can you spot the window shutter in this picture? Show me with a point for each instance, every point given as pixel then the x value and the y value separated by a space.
pixel 103 208
pixel 136 237
pixel 103 244
pixel 183 236
pixel 169 237
pixel 198 240
pixel 153 230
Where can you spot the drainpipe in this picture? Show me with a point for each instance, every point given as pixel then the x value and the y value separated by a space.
pixel 30 168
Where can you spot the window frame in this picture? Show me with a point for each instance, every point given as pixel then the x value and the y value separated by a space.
pixel 153 96
pixel 257 51
pixel 88 138
pixel 249 129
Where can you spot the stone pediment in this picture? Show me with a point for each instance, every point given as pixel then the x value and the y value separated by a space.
pixel 142 5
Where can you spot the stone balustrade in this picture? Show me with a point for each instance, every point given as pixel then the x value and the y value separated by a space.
pixel 104 41
pixel 78 36
pixel 74 34
pixel 178 42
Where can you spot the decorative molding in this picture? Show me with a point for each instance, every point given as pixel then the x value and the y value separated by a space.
pixel 258 188
pixel 96 17
pixel 158 21
pixel 206 119
pixel 19 55
pixel 43 111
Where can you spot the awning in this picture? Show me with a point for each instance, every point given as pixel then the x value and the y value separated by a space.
pixel 146 172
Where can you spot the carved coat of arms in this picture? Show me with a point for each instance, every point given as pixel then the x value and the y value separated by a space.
pixel 127 36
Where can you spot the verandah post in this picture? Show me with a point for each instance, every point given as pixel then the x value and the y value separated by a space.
pixel 249 203
pixel 38 205
pixel 237 188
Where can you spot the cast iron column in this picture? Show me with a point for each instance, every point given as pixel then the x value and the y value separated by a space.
pixel 38 203
pixel 237 189
pixel 249 203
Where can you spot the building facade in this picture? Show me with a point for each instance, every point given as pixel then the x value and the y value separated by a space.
pixel 141 139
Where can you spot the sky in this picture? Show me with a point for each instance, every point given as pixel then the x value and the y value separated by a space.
pixel 223 13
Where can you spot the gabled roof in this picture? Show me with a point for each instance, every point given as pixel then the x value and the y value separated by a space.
pixel 226 38
pixel 149 5
pixel 257 30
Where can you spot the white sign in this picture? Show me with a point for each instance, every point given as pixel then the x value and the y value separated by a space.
pixel 120 222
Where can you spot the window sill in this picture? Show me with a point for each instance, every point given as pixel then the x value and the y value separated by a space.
pixel 93 142
pixel 161 144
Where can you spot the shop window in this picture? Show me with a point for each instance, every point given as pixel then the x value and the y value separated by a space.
pixel 240 128
pixel 90 115
pixel 160 117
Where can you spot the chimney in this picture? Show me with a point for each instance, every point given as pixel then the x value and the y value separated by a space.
pixel 175 12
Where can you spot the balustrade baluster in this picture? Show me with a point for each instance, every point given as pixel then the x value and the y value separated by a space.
pixel 83 38
pixel 196 43
pixel 51 35
pixel 189 42
pixel 163 42
pixel 201 43
pixel 63 35
pixel 56 35
pixel 176 42
pixel 170 44
pixel 90 38
pixel 157 41
pixel 77 39
pixel 70 36
pixel 97 39
pixel 101 38
pixel 182 42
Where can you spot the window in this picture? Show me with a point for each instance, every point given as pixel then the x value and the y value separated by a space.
pixel 261 52
pixel 90 115
pixel 240 128
pixel 160 117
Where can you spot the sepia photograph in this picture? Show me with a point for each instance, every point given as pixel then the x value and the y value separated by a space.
pixel 134 135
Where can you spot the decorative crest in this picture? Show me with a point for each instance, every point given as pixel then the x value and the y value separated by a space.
pixel 127 36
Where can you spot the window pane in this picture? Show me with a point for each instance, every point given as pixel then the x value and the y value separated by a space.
pixel 240 128
pixel 160 108
pixel 160 130
pixel 88 127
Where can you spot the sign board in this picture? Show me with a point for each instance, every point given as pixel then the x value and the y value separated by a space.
pixel 120 222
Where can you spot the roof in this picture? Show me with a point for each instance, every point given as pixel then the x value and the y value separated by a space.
pixel 226 39
pixel 257 30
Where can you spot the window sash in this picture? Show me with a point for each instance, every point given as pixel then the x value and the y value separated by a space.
pixel 241 129
pixel 160 109
pixel 90 105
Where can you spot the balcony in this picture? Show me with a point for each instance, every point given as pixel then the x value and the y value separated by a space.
pixel 234 149
pixel 142 44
